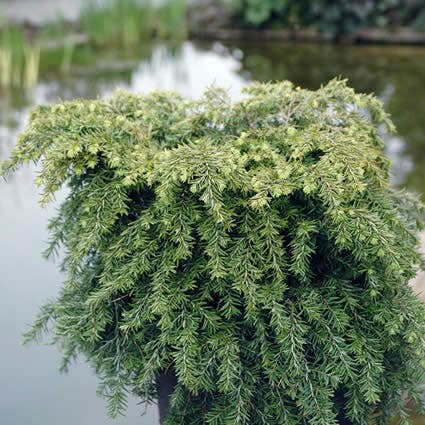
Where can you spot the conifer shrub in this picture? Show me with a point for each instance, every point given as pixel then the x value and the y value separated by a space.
pixel 253 249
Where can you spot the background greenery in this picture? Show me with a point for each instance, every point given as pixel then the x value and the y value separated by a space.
pixel 334 17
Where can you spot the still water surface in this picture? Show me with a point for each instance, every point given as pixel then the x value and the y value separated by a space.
pixel 32 391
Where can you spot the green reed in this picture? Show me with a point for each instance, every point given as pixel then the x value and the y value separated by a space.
pixel 19 59
pixel 127 22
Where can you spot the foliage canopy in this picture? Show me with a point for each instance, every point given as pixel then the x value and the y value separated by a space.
pixel 253 247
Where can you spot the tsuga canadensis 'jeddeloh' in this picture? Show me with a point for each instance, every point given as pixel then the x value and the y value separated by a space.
pixel 255 249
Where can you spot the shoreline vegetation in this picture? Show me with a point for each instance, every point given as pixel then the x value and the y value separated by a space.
pixel 25 48
pixel 400 36
pixel 378 22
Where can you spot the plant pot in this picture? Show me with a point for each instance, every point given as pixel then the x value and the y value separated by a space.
pixel 165 382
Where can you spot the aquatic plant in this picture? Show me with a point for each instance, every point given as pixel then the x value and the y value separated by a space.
pixel 69 48
pixel 113 23
pixel 171 20
pixel 19 58
pixel 253 252
pixel 126 22
pixel 32 64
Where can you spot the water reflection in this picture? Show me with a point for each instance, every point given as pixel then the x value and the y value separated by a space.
pixel 395 74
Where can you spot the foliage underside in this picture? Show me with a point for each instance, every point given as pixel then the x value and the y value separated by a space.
pixel 255 248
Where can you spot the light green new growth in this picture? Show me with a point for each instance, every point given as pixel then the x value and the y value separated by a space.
pixel 255 248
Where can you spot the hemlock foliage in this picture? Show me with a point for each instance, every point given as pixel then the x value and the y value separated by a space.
pixel 256 248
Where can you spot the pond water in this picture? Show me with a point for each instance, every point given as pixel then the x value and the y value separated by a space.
pixel 33 392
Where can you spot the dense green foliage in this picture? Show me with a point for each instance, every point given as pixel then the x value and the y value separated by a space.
pixel 255 248
pixel 330 16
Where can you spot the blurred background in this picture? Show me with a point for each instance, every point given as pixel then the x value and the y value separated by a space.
pixel 63 49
